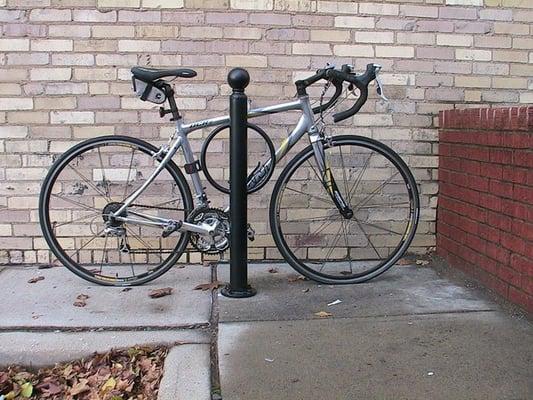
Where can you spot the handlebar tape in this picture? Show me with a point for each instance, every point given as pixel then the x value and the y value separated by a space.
pixel 361 82
pixel 337 78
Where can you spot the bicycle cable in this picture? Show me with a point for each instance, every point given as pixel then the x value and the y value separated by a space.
pixel 320 118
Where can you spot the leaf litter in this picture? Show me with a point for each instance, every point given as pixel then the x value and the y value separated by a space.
pixel 156 293
pixel 296 278
pixel 209 286
pixel 81 300
pixel 323 314
pixel 133 373
pixel 36 279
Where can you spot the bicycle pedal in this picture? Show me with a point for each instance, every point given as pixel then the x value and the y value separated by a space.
pixel 170 228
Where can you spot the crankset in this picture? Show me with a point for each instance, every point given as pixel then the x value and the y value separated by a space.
pixel 218 240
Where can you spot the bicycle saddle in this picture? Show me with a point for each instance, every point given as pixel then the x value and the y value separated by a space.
pixel 151 74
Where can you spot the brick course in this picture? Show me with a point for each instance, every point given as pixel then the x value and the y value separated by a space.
pixel 65 77
pixel 485 217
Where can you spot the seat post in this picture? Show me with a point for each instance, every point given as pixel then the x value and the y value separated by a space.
pixel 172 102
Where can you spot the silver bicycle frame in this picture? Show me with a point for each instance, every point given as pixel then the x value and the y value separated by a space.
pixel 305 124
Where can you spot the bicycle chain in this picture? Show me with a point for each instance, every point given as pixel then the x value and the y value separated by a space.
pixel 159 208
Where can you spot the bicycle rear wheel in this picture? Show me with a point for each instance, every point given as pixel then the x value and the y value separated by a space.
pixel 317 240
pixel 89 182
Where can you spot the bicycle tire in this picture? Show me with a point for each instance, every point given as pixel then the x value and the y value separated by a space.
pixel 291 168
pixel 48 231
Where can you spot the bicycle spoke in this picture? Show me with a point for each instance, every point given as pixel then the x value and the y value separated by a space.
pixel 89 182
pixel 343 171
pixel 383 229
pixel 335 241
pixel 359 177
pixel 158 204
pixel 137 237
pixel 324 225
pixel 367 238
pixel 128 247
pixel 94 214
pixel 348 252
pixel 314 219
pixel 85 206
pixel 314 170
pixel 391 205
pixel 129 172
pixel 310 195
pixel 82 247
pixel 374 192
pixel 104 180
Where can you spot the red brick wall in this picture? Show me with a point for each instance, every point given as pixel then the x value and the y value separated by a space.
pixel 485 205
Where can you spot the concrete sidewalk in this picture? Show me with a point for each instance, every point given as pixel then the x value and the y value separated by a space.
pixel 408 334
pixel 40 326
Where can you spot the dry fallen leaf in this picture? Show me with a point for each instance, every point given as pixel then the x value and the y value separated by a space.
pixel 156 293
pixel 36 279
pixel 126 289
pixel 273 270
pixel 109 385
pixel 49 388
pixel 404 261
pixel 323 314
pixel 422 262
pixel 80 387
pixel 296 278
pixel 26 390
pixel 80 300
pixel 209 286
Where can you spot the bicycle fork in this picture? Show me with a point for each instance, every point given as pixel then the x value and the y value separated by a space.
pixel 327 178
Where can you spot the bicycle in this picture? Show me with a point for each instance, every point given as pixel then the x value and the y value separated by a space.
pixel 118 211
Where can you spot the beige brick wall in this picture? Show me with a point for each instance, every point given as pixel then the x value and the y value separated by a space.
pixel 64 77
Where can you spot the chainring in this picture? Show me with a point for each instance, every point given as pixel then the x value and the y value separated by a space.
pixel 216 243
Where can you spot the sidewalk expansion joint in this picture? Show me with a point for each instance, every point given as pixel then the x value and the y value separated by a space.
pixel 213 348
pixel 148 328
pixel 367 316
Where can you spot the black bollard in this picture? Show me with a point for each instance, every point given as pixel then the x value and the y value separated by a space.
pixel 238 79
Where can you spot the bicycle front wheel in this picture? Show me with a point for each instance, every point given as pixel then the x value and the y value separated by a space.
pixel 319 242
pixel 91 181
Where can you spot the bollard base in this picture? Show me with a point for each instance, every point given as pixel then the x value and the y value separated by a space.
pixel 249 291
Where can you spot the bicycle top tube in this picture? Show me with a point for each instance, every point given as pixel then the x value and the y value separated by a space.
pixel 257 112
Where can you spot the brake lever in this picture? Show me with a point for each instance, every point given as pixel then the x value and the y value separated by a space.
pixel 379 88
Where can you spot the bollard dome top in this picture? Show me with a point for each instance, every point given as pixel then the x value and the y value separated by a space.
pixel 238 78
